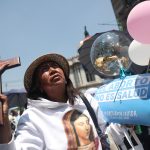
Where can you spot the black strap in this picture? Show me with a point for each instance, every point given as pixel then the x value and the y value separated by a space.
pixel 92 113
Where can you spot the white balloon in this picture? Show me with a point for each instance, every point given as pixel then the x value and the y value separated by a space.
pixel 139 53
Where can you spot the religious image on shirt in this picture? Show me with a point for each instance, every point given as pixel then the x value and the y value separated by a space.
pixel 79 131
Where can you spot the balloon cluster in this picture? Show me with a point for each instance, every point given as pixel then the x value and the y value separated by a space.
pixel 138 26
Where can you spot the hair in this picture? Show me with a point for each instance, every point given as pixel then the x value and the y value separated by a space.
pixel 34 92
pixel 75 115
pixel 70 130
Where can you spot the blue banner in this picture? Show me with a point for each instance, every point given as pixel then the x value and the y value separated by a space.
pixel 126 101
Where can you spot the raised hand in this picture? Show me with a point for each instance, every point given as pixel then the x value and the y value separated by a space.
pixel 5 128
pixel 3 65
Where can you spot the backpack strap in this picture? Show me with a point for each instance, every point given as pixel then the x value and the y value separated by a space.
pixel 103 137
pixel 92 114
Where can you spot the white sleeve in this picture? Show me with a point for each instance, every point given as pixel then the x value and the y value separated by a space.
pixel 26 137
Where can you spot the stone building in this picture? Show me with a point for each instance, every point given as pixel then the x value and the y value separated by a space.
pixel 80 77
pixel 121 10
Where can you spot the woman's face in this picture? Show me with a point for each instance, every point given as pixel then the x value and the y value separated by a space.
pixel 50 77
pixel 82 127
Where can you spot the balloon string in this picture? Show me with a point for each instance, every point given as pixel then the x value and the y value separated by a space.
pixel 122 79
pixel 122 72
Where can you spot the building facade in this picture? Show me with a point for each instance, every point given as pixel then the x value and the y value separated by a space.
pixel 121 10
pixel 81 78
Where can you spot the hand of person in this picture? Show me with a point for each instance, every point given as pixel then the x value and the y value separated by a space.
pixel 5 128
pixel 3 65
pixel 4 101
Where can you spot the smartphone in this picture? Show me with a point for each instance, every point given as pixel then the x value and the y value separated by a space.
pixel 12 62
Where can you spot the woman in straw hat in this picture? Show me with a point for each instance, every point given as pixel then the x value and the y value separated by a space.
pixel 51 96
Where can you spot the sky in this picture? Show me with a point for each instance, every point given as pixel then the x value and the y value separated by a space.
pixel 31 28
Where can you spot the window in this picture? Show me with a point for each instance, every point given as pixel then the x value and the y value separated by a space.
pixel 89 76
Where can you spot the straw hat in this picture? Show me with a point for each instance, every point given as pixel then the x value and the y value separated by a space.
pixel 59 59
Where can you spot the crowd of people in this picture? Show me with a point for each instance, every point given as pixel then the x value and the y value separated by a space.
pixel 56 117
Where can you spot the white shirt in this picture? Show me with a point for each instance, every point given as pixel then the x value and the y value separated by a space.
pixel 45 126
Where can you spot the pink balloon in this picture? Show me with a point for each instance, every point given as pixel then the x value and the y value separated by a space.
pixel 138 22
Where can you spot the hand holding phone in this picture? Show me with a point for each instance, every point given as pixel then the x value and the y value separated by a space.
pixel 6 64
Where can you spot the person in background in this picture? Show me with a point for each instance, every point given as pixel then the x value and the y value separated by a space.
pixel 51 95
pixel 13 118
